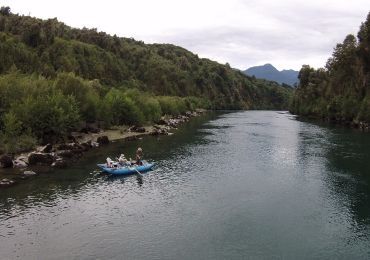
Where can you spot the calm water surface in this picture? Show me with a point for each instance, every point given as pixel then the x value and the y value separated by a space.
pixel 227 186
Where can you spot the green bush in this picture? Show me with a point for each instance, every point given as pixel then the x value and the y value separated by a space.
pixel 84 93
pixel 15 138
pixel 172 105
pixel 147 103
pixel 121 109
pixel 364 114
pixel 49 115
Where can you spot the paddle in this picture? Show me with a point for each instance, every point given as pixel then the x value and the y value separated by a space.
pixel 138 173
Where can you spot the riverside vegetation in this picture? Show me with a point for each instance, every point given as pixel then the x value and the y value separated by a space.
pixel 55 79
pixel 340 92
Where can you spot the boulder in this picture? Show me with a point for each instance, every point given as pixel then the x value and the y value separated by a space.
pixel 29 173
pixel 40 158
pixel 94 144
pixel 17 163
pixel 6 161
pixel 47 148
pixel 102 140
pixel 6 182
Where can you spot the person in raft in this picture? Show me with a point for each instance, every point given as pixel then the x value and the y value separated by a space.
pixel 122 160
pixel 139 156
pixel 109 163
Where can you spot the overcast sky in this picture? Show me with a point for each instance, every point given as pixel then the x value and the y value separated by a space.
pixel 244 33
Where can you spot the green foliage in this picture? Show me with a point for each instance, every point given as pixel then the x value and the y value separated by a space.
pixel 50 115
pixel 121 109
pixel 172 105
pixel 148 104
pixel 14 138
pixel 340 91
pixel 85 94
pixel 364 114
pixel 49 47
pixel 54 77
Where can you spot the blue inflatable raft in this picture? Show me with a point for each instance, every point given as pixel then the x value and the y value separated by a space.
pixel 126 170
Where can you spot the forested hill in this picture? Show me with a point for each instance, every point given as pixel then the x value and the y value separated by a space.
pixel 340 91
pixel 48 47
pixel 54 79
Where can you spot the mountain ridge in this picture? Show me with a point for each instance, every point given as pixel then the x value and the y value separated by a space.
pixel 269 72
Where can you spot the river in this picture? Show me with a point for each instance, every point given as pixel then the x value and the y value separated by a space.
pixel 251 184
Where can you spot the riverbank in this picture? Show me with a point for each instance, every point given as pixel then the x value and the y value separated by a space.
pixel 20 167
pixel 354 124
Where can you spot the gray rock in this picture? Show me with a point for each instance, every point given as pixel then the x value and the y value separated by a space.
pixel 17 163
pixel 29 173
pixel 6 182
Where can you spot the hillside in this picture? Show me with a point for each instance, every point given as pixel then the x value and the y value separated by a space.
pixel 339 92
pixel 64 76
pixel 269 72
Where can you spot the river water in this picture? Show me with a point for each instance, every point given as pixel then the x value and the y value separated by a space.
pixel 258 184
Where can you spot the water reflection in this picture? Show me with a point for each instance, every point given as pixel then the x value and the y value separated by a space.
pixel 348 161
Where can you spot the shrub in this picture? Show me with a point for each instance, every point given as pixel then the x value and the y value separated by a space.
pixel 147 103
pixel 50 115
pixel 172 105
pixel 14 138
pixel 364 114
pixel 120 109
pixel 83 91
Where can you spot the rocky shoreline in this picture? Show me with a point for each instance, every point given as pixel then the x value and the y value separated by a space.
pixel 63 154
pixel 354 124
pixel 363 126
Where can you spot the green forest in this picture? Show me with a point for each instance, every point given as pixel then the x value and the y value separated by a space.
pixel 54 78
pixel 340 92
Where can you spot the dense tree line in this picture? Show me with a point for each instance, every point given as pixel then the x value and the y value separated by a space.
pixel 53 77
pixel 341 90
pixel 35 109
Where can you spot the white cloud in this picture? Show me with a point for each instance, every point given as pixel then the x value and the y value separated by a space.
pixel 285 33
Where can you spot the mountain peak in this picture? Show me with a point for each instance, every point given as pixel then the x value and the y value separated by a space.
pixel 269 72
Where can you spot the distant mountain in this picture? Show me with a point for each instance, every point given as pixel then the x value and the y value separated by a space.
pixel 269 72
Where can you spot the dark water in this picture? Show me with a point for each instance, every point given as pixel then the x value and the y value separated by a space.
pixel 227 186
